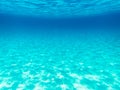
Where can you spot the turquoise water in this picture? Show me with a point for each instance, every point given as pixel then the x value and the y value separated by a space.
pixel 59 44
pixel 58 7
pixel 70 62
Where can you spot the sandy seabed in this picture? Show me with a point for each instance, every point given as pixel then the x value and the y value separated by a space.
pixel 69 63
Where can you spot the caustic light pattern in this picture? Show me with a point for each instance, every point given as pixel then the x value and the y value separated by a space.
pixel 59 7
pixel 71 64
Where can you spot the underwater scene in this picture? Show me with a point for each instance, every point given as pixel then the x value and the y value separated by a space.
pixel 59 44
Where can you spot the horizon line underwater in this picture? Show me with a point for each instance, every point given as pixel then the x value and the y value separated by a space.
pixel 60 45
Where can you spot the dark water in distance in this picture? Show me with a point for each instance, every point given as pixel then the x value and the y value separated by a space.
pixel 59 45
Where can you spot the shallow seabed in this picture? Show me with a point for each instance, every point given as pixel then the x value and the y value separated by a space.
pixel 76 62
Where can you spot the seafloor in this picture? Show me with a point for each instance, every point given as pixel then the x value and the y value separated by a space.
pixel 66 59
pixel 68 62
